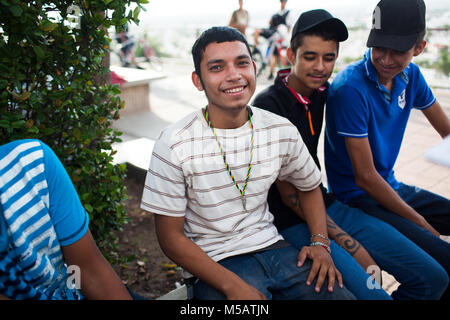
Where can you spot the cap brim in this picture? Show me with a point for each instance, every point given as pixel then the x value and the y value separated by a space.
pixel 333 23
pixel 399 43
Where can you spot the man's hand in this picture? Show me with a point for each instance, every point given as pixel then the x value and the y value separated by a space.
pixel 322 265
pixel 368 179
pixel 424 224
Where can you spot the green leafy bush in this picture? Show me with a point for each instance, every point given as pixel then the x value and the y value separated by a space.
pixel 54 87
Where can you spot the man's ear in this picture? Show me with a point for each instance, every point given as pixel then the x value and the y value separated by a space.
pixel 196 81
pixel 290 55
pixel 419 48
pixel 254 66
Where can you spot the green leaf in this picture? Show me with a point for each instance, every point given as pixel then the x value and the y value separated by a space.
pixel 47 25
pixel 16 10
pixel 17 124
pixel 33 129
pixel 40 53
pixel 136 12
pixel 88 207
pixel 4 123
pixel 3 84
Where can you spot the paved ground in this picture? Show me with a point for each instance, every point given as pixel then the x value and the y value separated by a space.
pixel 174 96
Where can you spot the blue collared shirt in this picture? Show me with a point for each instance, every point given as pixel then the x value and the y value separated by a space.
pixel 358 107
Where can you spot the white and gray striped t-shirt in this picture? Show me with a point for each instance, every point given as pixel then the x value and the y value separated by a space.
pixel 188 178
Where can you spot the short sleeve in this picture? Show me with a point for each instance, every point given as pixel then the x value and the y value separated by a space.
pixel 299 167
pixel 69 217
pixel 164 190
pixel 424 97
pixel 349 112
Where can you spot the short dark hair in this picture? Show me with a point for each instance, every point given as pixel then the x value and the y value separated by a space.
pixel 323 31
pixel 420 37
pixel 215 35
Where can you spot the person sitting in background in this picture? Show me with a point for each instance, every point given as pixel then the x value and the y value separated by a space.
pixel 44 232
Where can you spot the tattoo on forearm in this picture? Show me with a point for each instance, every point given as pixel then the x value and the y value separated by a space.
pixel 330 223
pixel 348 243
pixel 342 238
pixel 294 201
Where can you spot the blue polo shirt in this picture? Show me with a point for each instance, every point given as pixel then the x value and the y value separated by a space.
pixel 358 107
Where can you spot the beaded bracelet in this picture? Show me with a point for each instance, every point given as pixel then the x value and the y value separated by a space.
pixel 321 244
pixel 320 236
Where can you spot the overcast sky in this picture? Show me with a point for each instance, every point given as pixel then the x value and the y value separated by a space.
pixel 179 11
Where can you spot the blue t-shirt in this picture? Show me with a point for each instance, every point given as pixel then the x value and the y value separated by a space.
pixel 359 107
pixel 39 212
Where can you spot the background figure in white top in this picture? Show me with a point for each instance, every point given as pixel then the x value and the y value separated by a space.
pixel 239 18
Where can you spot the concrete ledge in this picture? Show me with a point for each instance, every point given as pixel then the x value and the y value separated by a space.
pixel 137 152
pixel 180 293
pixel 136 90
pixel 135 76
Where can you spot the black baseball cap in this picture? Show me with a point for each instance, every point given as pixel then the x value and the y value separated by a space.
pixel 397 24
pixel 313 18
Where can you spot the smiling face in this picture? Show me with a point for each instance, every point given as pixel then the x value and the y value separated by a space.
pixel 388 62
pixel 312 64
pixel 228 76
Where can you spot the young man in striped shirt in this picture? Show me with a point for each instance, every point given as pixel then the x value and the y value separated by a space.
pixel 208 181
pixel 44 233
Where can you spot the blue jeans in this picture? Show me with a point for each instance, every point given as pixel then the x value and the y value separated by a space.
pixel 275 274
pixel 434 208
pixel 420 276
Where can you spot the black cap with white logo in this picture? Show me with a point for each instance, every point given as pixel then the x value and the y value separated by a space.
pixel 397 24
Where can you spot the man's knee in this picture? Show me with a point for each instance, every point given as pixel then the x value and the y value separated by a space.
pixel 338 293
pixel 437 282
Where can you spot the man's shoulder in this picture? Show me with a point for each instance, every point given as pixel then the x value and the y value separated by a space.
pixel 267 120
pixel 176 131
pixel 15 143
pixel 352 76
pixel 413 71
pixel 266 116
pixel 264 95
pixel 271 99
pixel 18 146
